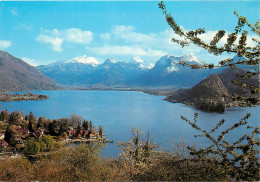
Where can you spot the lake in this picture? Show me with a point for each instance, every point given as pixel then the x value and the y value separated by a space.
pixel 118 111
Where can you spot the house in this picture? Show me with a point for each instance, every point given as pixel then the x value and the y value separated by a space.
pixel 2 136
pixel 39 130
pixel 38 133
pixel 92 136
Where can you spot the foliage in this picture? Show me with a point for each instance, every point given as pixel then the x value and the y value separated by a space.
pixel 4 116
pixel 40 122
pixel 32 147
pixel 82 161
pixel 31 117
pixel 91 126
pixel 63 126
pixel 43 146
pixel 30 127
pixel 15 169
pixel 32 121
pixel 15 118
pixel 48 141
pixel 100 131
pixel 137 151
pixel 85 125
pixel 53 126
pixel 9 136
pixel 76 120
pixel 240 158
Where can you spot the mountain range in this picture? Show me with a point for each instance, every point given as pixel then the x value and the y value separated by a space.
pixel 86 71
pixel 17 75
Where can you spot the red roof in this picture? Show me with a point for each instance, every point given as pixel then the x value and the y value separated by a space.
pixel 39 130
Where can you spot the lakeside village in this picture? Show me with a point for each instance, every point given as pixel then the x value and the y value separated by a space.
pixel 27 135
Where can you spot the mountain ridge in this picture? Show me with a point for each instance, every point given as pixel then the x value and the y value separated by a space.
pixel 166 72
pixel 17 75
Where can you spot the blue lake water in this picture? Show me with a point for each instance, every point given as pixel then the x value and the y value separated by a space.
pixel 118 111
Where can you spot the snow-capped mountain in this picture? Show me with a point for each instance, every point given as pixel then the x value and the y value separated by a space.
pixel 110 61
pixel 168 64
pixel 67 72
pixel 84 60
pixel 141 63
pixel 136 60
pixel 88 72
pixel 191 59
pixel 168 71
pixel 77 60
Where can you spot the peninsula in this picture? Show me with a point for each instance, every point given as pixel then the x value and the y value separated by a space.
pixel 22 97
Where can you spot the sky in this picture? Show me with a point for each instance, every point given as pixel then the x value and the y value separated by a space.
pixel 44 32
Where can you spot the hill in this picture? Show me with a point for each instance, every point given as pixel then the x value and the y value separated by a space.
pixel 210 95
pixel 214 92
pixel 16 75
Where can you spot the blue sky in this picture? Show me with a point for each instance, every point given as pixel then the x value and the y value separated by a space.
pixel 42 32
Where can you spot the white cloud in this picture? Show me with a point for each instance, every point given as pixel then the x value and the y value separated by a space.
pixel 117 50
pixel 130 42
pixel 73 35
pixel 155 43
pixel 129 34
pixel 56 37
pixel 5 44
pixel 32 62
pixel 77 36
pixel 105 36
pixel 55 42
pixel 22 26
pixel 35 62
pixel 126 51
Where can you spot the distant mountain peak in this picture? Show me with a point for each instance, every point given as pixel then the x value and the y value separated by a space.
pixel 84 60
pixel 164 60
pixel 111 60
pixel 141 63
pixel 191 58
pixel 137 60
